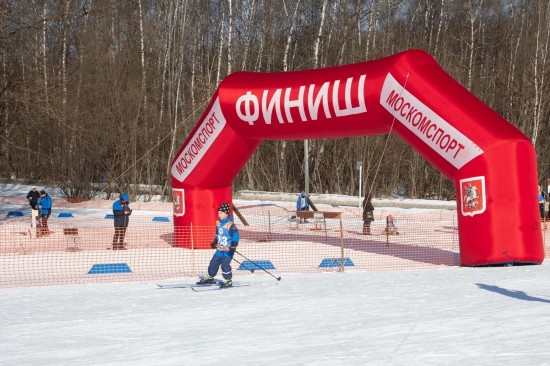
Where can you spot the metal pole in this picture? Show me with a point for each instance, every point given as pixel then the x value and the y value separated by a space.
pixel 268 225
pixel 359 166
pixel 360 183
pixel 306 167
pixel 192 247
pixel 342 246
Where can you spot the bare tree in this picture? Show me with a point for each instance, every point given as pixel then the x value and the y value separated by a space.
pixel 229 37
pixel 474 10
pixel 106 91
pixel 540 67
pixel 142 43
pixel 220 47
pixel 64 62
pixel 44 58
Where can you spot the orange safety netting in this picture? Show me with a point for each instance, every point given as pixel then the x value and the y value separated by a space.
pixel 79 245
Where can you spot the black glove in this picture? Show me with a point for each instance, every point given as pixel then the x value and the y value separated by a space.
pixel 213 245
pixel 233 247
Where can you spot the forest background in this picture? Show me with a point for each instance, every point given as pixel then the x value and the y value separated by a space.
pixel 106 91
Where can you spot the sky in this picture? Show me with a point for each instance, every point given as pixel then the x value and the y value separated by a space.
pixel 444 316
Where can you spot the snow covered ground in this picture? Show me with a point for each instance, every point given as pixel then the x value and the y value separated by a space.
pixel 444 316
pixel 452 316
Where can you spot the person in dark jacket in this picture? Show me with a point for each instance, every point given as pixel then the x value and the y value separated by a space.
pixel 33 196
pixel 543 198
pixel 121 212
pixel 225 242
pixel 368 214
pixel 45 207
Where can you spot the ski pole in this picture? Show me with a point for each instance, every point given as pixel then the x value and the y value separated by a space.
pixel 250 269
pixel 260 267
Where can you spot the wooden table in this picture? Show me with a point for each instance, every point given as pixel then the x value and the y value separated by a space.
pixel 317 214
pixel 318 217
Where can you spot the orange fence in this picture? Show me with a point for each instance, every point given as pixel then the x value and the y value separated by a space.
pixel 78 248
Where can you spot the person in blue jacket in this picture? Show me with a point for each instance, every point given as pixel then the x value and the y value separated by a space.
pixel 302 204
pixel 121 212
pixel 45 209
pixel 225 242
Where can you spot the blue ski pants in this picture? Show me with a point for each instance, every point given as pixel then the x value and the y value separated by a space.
pixel 223 259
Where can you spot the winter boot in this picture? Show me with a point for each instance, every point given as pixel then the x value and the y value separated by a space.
pixel 206 280
pixel 226 284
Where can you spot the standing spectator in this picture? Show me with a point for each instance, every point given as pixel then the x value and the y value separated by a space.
pixel 45 207
pixel 302 204
pixel 225 242
pixel 368 214
pixel 33 196
pixel 543 198
pixel 121 212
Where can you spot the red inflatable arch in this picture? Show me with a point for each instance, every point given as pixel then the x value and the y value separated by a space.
pixel 491 162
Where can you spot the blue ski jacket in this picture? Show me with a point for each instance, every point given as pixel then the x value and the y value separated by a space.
pixel 45 205
pixel 119 209
pixel 227 235
pixel 302 204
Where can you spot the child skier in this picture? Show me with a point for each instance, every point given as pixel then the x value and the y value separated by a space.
pixel 225 242
pixel 390 226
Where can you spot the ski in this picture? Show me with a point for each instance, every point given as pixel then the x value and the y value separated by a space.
pixel 199 288
pixel 184 285
pixel 196 287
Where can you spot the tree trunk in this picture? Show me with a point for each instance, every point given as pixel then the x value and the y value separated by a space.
pixel 229 34
pixel 315 65
pixel 143 70
pixel 474 12
pixel 220 49
pixel 540 65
